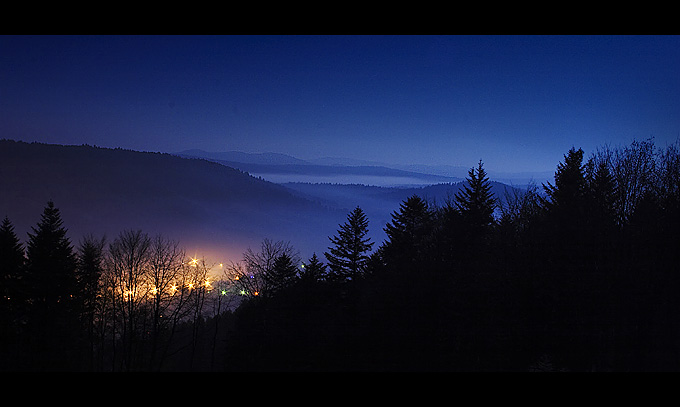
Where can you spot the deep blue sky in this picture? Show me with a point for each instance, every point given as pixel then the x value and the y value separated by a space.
pixel 516 102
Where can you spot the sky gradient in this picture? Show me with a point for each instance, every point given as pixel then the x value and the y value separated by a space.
pixel 516 102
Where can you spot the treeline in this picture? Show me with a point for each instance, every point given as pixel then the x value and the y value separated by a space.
pixel 579 275
pixel 137 303
pixel 576 275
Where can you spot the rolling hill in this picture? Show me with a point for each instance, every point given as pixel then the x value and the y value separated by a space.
pixel 212 209
pixel 280 168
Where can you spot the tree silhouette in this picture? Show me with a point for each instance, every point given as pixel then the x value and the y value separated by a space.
pixel 567 195
pixel 474 219
pixel 476 204
pixel 633 168
pixel 313 271
pixel 11 257
pixel 51 276
pixel 51 260
pixel 12 294
pixel 255 275
pixel 476 201
pixel 283 274
pixel 409 236
pixel 127 269
pixel 12 262
pixel 601 219
pixel 166 269
pixel 90 268
pixel 348 257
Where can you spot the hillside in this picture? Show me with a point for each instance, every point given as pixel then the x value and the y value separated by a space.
pixel 241 157
pixel 280 168
pixel 210 208
pixel 380 202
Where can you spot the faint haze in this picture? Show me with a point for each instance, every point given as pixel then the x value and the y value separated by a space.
pixel 213 210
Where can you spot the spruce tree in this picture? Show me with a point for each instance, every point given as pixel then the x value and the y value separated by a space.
pixel 51 277
pixel 601 196
pixel 475 201
pixel 51 260
pixel 409 235
pixel 313 271
pixel 90 268
pixel 282 275
pixel 566 206
pixel 12 294
pixel 567 195
pixel 11 264
pixel 348 257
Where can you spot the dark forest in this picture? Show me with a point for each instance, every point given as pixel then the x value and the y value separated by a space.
pixel 577 275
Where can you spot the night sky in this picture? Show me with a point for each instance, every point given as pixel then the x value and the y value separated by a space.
pixel 516 102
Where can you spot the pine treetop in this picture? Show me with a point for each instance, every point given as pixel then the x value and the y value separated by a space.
pixel 476 201
pixel 348 256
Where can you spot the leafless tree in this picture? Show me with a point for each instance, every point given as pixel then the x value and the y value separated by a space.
pixel 668 174
pixel 632 167
pixel 128 264
pixel 253 276
pixel 165 266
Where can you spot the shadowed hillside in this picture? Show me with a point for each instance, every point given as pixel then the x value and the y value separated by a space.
pixel 281 168
pixel 206 206
pixel 380 202
pixel 212 209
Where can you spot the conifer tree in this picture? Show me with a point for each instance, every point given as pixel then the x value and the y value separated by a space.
pixel 566 205
pixel 282 275
pixel 90 259
pixel 51 260
pixel 313 271
pixel 409 235
pixel 475 201
pixel 568 194
pixel 11 261
pixel 601 194
pixel 475 205
pixel 12 294
pixel 51 276
pixel 90 267
pixel 348 257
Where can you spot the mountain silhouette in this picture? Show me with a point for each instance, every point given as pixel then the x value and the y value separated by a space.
pixel 241 157
pixel 283 168
pixel 208 207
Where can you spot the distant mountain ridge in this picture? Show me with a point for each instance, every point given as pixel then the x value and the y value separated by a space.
pixel 245 158
pixel 266 164
pixel 379 202
pixel 200 203
pixel 207 206
pixel 269 164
